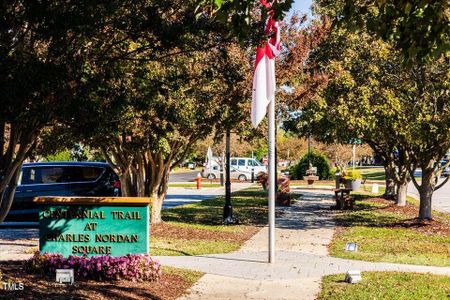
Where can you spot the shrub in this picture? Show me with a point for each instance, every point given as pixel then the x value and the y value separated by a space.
pixel 318 160
pixel 134 267
pixel 352 174
pixel 284 191
pixel 284 187
pixel 263 179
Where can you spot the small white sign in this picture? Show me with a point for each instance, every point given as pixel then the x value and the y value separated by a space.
pixel 353 276
pixel 64 276
pixel 375 189
pixel 351 247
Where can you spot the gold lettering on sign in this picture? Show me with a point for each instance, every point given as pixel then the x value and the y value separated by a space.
pixel 72 214
pixel 91 250
pixel 116 238
pixel 68 237
pixel 130 215
pixel 91 226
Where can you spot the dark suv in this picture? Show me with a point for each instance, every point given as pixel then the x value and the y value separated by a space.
pixel 60 179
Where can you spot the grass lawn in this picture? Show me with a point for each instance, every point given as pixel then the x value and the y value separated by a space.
pixel 197 228
pixel 372 173
pixel 385 232
pixel 194 185
pixel 387 285
pixel 174 282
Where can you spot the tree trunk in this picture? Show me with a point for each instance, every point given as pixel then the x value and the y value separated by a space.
pixel 157 202
pixel 126 185
pixel 389 193
pixel 402 191
pixel 426 193
pixel 7 196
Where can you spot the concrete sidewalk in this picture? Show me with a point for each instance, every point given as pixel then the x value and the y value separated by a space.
pixel 18 244
pixel 303 233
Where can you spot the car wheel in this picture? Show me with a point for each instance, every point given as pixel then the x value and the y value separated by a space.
pixel 211 176
pixel 242 178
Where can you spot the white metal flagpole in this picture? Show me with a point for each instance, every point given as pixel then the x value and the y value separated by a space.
pixel 263 99
pixel 272 178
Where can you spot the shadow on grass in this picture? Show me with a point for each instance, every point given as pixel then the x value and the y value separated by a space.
pixel 173 250
pixel 249 208
pixel 371 214
pixel 375 175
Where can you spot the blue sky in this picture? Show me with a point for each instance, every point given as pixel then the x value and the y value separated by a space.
pixel 301 5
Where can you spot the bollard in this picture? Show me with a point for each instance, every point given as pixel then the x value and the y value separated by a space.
pixel 198 179
pixel 253 175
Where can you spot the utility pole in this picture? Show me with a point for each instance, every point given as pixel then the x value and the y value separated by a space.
pixel 227 209
pixel 309 150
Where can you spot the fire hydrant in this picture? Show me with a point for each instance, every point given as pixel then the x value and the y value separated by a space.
pixel 198 179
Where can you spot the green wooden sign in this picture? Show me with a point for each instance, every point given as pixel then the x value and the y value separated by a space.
pixel 94 230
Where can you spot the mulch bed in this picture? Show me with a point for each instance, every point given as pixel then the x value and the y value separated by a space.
pixel 438 225
pixel 168 231
pixel 170 286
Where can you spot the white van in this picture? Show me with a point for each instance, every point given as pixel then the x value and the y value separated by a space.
pixel 241 168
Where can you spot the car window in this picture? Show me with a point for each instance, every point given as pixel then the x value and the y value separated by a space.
pixel 250 163
pixel 255 163
pixel 25 178
pixel 32 175
pixel 80 174
pixel 233 162
pixel 60 174
pixel 241 162
pixel 48 175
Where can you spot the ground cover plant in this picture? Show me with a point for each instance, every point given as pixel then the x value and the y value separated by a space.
pixel 386 232
pixel 172 284
pixel 386 285
pixel 197 228
pixel 134 267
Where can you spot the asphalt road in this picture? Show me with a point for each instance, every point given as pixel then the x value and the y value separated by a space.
pixel 183 176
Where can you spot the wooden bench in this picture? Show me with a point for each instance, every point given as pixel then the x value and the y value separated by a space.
pixel 343 199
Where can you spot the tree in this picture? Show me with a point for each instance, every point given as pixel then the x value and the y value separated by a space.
pixel 427 139
pixel 317 160
pixel 420 29
pixel 290 147
pixel 401 112
pixel 40 61
pixel 52 54
pixel 245 19
pixel 146 117
pixel 326 59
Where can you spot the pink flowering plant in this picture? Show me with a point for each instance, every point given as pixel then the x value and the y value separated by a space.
pixel 134 267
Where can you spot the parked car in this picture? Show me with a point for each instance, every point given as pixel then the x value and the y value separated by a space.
pixel 60 179
pixel 241 168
